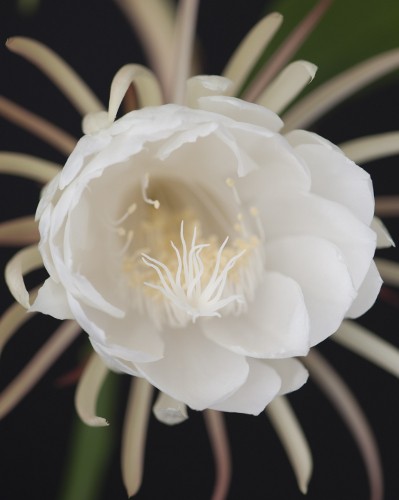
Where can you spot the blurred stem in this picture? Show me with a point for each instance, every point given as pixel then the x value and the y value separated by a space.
pixel 91 450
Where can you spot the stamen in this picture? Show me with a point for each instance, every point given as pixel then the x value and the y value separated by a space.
pixel 255 214
pixel 232 185
pixel 129 239
pixel 144 187
pixel 185 290
pixel 130 210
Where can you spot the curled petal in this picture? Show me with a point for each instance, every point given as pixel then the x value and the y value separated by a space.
pixel 293 440
pixel 38 366
pixel 372 147
pixel 169 411
pixel 23 262
pixel 63 76
pixel 365 343
pixel 135 433
pixel 19 232
pixel 290 46
pixel 147 87
pixel 156 37
pixel 11 320
pixel 36 125
pixel 27 166
pixel 345 403
pixel 88 389
pixel 221 451
pixel 287 85
pixel 250 49
pixel 328 95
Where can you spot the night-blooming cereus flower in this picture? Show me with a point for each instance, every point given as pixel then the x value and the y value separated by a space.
pixel 201 249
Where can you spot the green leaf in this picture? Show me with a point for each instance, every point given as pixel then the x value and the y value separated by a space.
pixel 91 450
pixel 350 31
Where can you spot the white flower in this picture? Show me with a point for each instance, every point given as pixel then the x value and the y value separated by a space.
pixel 203 250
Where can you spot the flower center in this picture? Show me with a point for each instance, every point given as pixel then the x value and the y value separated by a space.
pixel 175 272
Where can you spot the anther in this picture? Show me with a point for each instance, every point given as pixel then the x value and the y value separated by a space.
pixel 145 181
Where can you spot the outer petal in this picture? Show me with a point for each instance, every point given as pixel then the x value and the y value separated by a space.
pixel 52 299
pixel 367 293
pixel 262 385
pixel 319 268
pixel 308 214
pixel 292 372
pixel 195 370
pixel 279 171
pixel 132 338
pixel 334 176
pixel 241 111
pixel 276 324
pixel 384 239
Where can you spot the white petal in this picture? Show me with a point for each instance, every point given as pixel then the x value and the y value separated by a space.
pixel 206 85
pixel 52 299
pixel 334 176
pixel 308 214
pixel 195 370
pixel 367 293
pixel 132 338
pixel 241 111
pixel 261 386
pixel 169 411
pixel 275 325
pixel 280 171
pixel 319 268
pixel 292 373
pixel 384 239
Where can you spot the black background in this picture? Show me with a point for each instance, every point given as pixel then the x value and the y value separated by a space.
pixel 96 40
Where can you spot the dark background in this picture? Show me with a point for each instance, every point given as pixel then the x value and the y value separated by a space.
pixel 96 40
